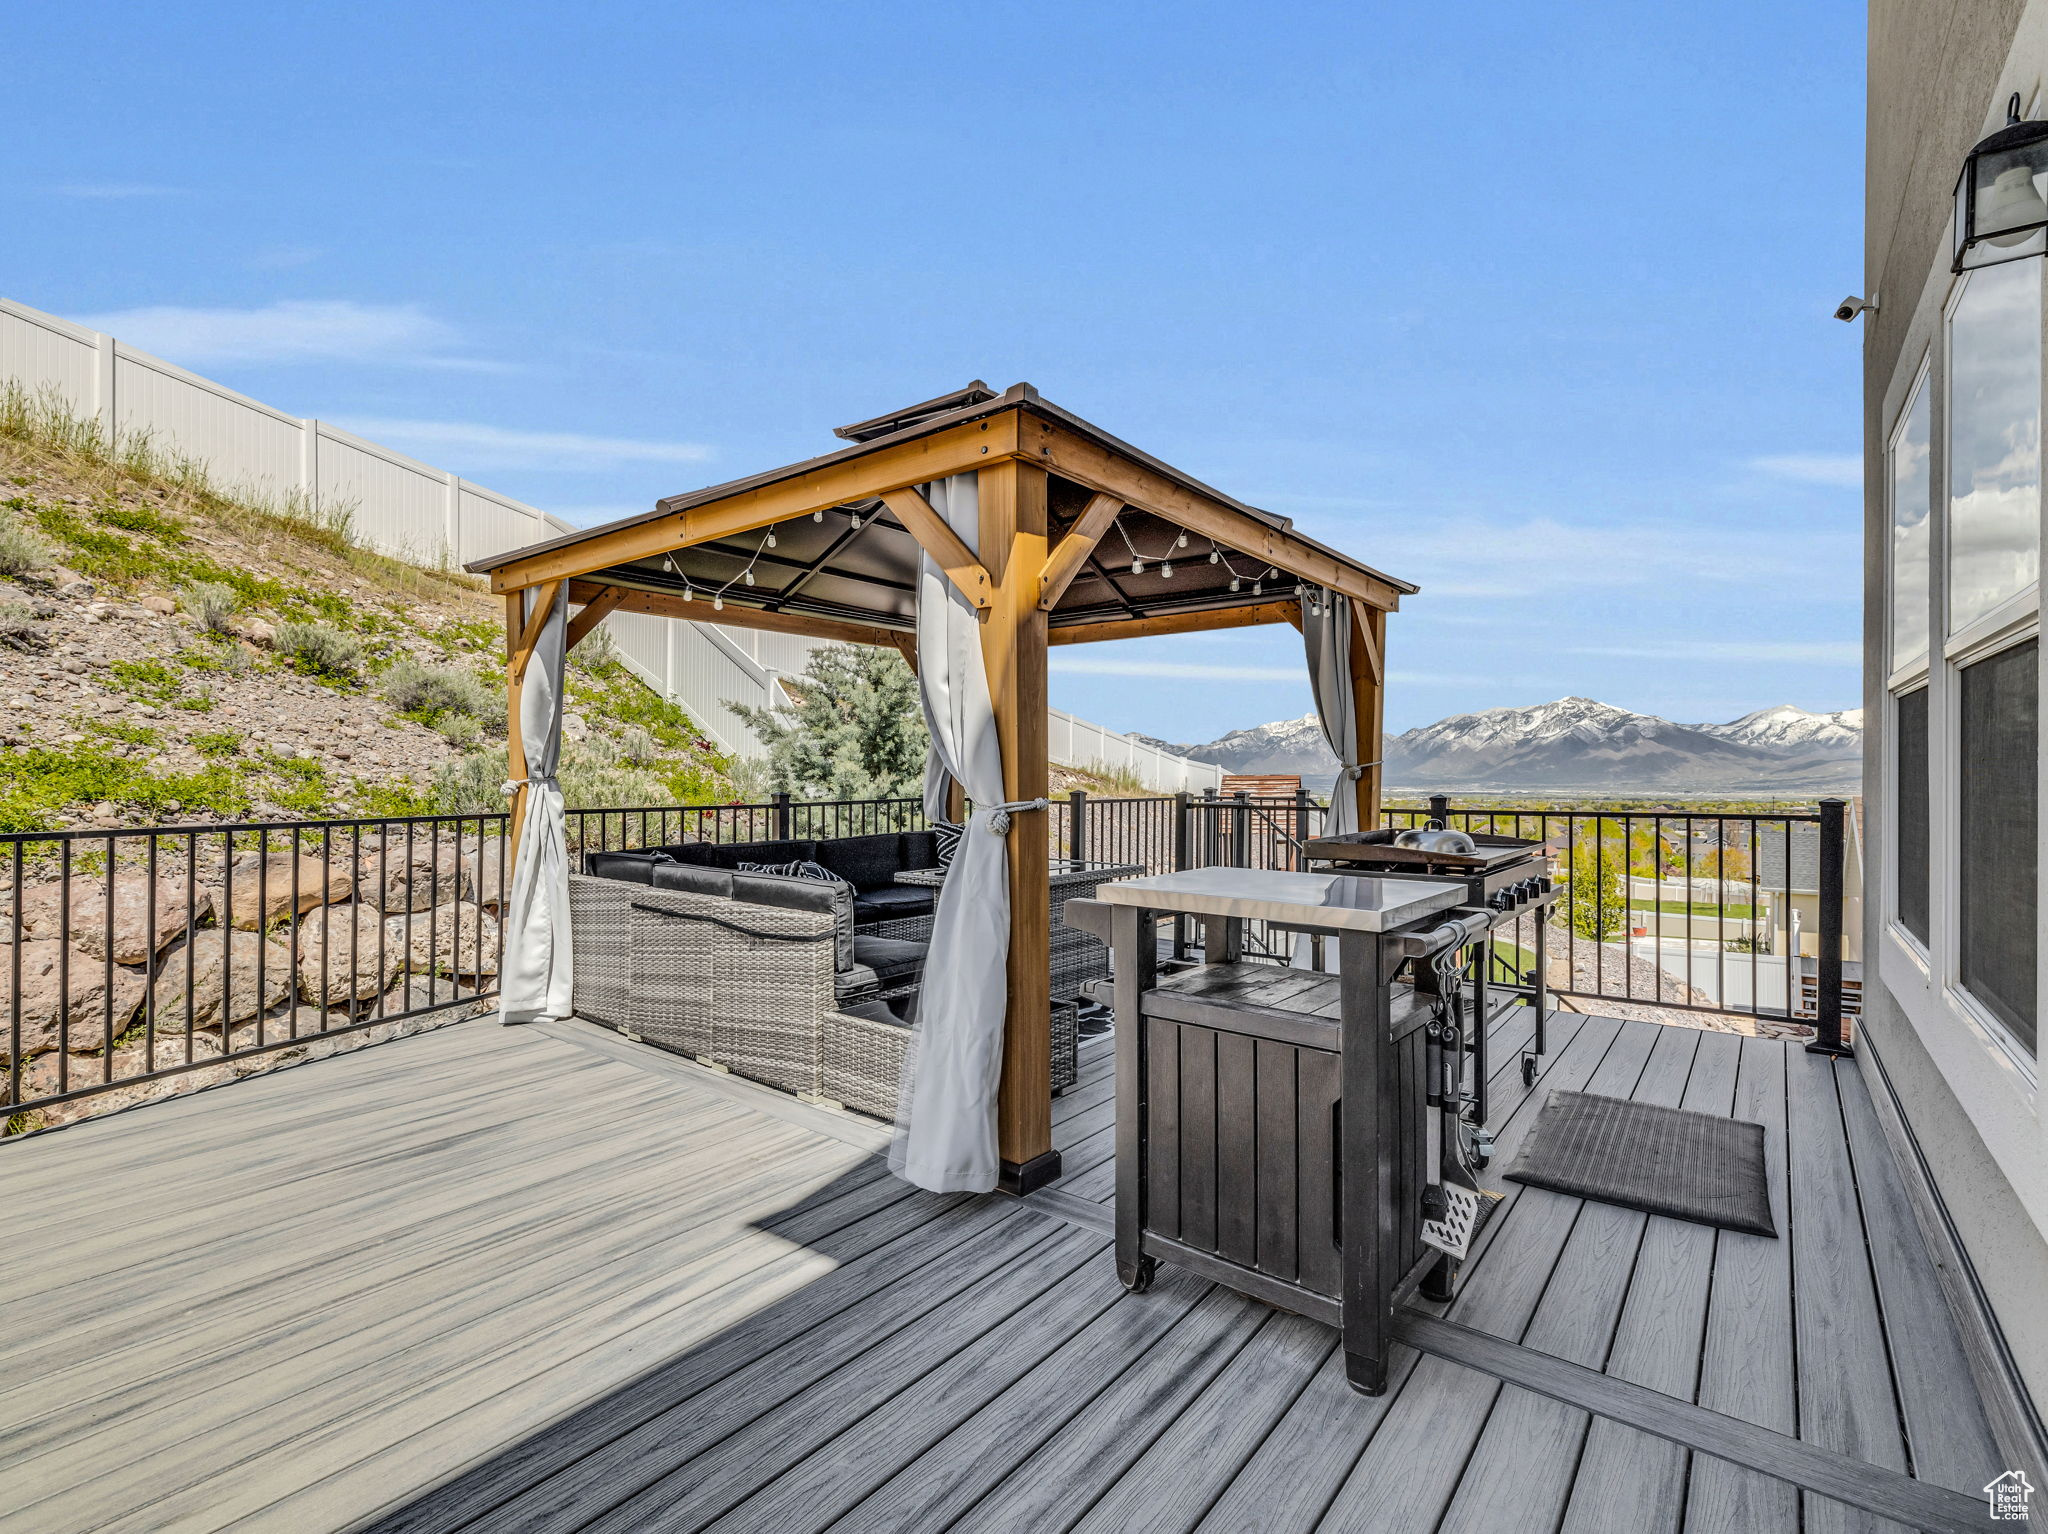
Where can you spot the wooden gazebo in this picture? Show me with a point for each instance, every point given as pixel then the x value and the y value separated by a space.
pixel 1081 537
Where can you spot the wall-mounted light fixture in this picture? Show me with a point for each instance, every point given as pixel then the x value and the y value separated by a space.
pixel 2001 212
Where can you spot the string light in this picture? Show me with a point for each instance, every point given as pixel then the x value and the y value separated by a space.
pixel 817 516
pixel 771 538
pixel 1166 569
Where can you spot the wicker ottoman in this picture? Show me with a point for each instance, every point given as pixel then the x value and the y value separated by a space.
pixel 733 983
pixel 860 1058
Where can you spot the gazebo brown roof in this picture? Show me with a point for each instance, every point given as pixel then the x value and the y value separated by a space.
pixel 1081 537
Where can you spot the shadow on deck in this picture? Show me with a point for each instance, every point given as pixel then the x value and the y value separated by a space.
pixel 547 1280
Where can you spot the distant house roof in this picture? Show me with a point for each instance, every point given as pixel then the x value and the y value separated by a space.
pixel 1803 844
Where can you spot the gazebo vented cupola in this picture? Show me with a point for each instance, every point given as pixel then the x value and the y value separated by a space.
pixel 968 532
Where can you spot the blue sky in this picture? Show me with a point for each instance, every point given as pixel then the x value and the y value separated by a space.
pixel 1526 304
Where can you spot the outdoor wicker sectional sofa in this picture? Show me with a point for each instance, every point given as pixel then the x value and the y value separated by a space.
pixel 869 863
pixel 744 985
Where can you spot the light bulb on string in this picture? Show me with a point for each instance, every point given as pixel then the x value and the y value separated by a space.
pixel 1181 542
pixel 856 521
pixel 718 604
pixel 1215 556
pixel 1166 569
pixel 689 595
pixel 1258 588
pixel 1137 567
pixel 1235 583
pixel 817 516
pixel 771 541
pixel 749 574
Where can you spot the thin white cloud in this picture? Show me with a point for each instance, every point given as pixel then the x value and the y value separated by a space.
pixel 1537 557
pixel 495 447
pixel 111 191
pixel 291 330
pixel 1844 469
pixel 1820 653
pixel 1180 671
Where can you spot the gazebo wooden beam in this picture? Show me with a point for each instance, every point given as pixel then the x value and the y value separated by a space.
pixel 1087 462
pixel 1066 560
pixel 1251 616
pixel 937 539
pixel 662 605
pixel 833 483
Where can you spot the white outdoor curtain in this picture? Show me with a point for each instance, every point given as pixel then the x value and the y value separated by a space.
pixel 946 1111
pixel 533 976
pixel 1326 635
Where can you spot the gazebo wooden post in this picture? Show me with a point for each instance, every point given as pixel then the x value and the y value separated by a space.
pixel 1368 680
pixel 1012 548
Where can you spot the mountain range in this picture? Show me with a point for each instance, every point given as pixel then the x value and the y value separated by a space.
pixel 1576 744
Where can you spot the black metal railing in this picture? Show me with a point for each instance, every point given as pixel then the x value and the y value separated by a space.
pixel 138 956
pixel 189 954
pixel 782 818
pixel 1704 911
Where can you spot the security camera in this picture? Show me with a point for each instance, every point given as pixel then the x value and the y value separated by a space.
pixel 1852 306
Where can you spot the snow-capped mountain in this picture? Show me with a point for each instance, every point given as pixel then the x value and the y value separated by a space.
pixel 1576 743
pixel 1787 725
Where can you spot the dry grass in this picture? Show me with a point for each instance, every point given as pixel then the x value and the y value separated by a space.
pixel 39 433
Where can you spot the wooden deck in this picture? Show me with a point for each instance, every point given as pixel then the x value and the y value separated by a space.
pixel 546 1279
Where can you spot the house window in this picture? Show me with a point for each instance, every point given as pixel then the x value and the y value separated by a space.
pixel 1910 822
pixel 1997 853
pixel 1994 440
pixel 1911 495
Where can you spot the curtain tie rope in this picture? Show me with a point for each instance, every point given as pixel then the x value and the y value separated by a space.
pixel 513 785
pixel 1353 770
pixel 999 814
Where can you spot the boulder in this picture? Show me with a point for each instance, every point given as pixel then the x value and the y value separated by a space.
pixel 264 890
pixel 453 939
pixel 483 876
pixel 139 928
pixel 346 955
pixel 57 987
pixel 415 878
pixel 223 984
pixel 162 606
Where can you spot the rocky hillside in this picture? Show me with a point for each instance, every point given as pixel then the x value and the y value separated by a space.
pixel 167 654
pixel 172 656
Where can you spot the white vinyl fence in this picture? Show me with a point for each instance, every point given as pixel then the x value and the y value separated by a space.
pixel 417 512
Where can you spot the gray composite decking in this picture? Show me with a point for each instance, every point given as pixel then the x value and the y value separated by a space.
pixel 546 1279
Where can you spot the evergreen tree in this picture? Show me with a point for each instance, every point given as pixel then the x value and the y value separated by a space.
pixel 856 732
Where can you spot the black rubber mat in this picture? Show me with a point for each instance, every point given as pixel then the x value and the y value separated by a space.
pixel 1691 1166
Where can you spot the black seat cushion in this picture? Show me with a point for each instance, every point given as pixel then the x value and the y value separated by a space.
pixel 695 880
pixel 633 867
pixel 865 862
pixel 732 854
pixel 897 903
pixel 874 1012
pixel 891 958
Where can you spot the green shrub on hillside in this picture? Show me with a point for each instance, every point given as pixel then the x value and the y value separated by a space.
pixel 22 548
pixel 19 629
pixel 430 695
pixel 319 651
pixel 213 603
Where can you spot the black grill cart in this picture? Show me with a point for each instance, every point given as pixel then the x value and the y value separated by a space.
pixel 1276 1128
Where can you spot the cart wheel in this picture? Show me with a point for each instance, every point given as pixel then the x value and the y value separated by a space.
pixel 1528 1070
pixel 1140 1277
